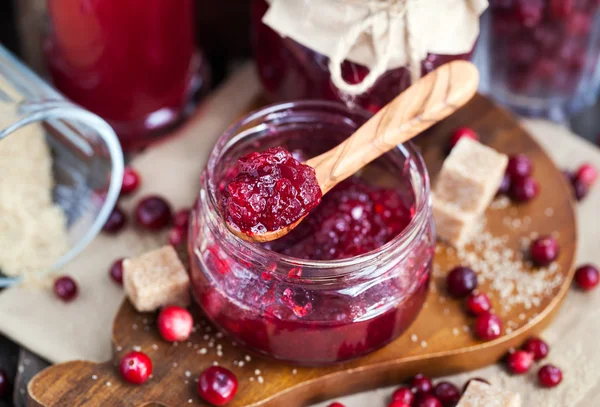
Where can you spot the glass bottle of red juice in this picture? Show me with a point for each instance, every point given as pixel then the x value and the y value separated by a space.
pixel 132 62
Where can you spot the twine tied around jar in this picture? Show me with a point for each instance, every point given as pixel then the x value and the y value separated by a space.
pixel 395 12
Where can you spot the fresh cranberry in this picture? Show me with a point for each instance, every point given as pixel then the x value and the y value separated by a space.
pixel 587 174
pixel 488 326
pixel 578 24
pixel 475 379
pixel 4 384
pixel 175 323
pixel 587 277
pixel 461 281
pixel 153 212
pixel 271 190
pixel 461 132
pixel 116 221
pixel 217 385
pixel 176 236
pixel 182 218
pixel 404 395
pixel 427 400
pixel 478 303
pixel 537 347
pixel 544 250
pixel 116 271
pixel 549 376
pixel 421 384
pixel 504 187
pixel 447 393
pixel 580 189
pixel 131 181
pixel 519 166
pixel 529 12
pixel 524 189
pixel 519 362
pixel 65 288
pixel 135 367
pixel 336 404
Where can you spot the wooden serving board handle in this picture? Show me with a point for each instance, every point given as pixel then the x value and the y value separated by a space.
pixel 429 100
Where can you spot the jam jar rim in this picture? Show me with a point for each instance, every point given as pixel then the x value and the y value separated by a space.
pixel 402 240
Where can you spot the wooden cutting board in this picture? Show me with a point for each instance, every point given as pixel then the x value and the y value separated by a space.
pixel 439 342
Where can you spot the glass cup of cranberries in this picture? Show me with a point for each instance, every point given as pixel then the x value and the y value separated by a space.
pixel 542 55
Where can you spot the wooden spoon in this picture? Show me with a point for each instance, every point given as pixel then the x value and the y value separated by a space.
pixel 429 100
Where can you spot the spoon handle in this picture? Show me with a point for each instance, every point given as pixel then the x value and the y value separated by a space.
pixel 426 102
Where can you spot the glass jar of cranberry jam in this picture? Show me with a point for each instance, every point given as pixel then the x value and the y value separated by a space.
pixel 543 55
pixel 349 279
pixel 291 71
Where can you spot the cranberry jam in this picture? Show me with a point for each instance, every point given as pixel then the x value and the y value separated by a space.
pixel 290 71
pixel 349 279
pixel 270 190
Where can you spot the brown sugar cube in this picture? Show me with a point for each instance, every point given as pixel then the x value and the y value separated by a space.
pixel 479 394
pixel 452 225
pixel 156 279
pixel 471 176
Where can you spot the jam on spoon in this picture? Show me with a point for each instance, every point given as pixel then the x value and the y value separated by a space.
pixel 273 192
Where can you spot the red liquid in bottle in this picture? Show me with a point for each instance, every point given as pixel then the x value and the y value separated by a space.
pixel 133 63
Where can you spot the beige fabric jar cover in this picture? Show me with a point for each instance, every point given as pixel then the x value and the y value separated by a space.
pixel 379 34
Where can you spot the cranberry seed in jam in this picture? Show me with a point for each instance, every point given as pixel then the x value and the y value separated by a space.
pixel 271 190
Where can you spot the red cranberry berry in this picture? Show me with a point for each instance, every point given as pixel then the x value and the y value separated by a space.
pixel 427 400
pixel 153 212
pixel 65 288
pixel 475 379
pixel 131 181
pixel 587 277
pixel 580 189
pixel 175 323
pixel 504 187
pixel 447 393
pixel 403 395
pixel 135 367
pixel 116 271
pixel 176 236
pixel 519 166
pixel 560 8
pixel 529 12
pixel 4 384
pixel 336 404
pixel 488 326
pixel 544 250
pixel 116 221
pixel 217 385
pixel 460 133
pixel 478 303
pixel 398 404
pixel 421 384
pixel 537 347
pixel 461 281
pixel 519 362
pixel 587 174
pixel 549 376
pixel 182 218
pixel 524 189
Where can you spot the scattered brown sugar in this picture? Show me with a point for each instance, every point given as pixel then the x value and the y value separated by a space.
pixel 33 232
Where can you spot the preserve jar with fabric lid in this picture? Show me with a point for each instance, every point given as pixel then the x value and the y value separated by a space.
pixel 349 279
pixel 362 53
pixel 543 55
